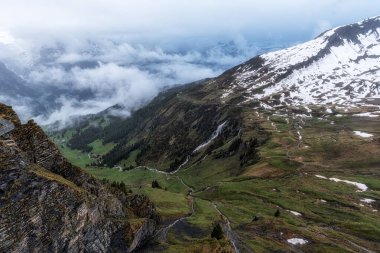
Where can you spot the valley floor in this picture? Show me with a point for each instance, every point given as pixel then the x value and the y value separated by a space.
pixel 315 189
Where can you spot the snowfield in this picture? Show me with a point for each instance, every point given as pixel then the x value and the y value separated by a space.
pixel 340 67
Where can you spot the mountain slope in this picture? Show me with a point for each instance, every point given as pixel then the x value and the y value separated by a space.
pixel 47 204
pixel 336 71
pixel 256 150
pixel 340 67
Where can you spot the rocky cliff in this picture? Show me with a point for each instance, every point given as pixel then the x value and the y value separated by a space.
pixel 49 205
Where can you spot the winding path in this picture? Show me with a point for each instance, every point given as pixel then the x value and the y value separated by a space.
pixel 231 235
pixel 162 233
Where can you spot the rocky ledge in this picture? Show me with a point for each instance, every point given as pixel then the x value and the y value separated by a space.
pixel 49 205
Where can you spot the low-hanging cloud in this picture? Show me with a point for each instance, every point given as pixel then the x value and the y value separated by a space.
pixel 21 105
pixel 93 54
pixel 120 73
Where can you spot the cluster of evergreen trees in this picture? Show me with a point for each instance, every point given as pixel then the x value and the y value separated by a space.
pixel 119 153
pixel 250 154
pixel 81 139
pixel 117 187
pixel 217 232
pixel 155 184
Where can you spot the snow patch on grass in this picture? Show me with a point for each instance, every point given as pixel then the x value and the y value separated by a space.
pixel 363 134
pixel 366 114
pixel 362 187
pixel 368 201
pixel 295 213
pixel 297 241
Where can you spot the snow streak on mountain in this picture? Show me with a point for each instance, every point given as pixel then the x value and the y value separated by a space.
pixel 341 67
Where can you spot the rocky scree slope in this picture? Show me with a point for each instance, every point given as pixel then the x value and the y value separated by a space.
pixel 49 205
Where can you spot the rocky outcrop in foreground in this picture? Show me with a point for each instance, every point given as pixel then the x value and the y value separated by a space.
pixel 49 205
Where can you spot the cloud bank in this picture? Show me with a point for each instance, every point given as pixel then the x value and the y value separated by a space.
pixel 88 55
pixel 96 74
pixel 165 20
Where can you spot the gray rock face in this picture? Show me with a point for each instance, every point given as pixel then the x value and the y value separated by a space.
pixel 49 205
pixel 145 232
pixel 5 127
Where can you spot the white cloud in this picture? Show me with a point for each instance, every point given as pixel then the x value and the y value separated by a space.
pixel 165 20
pixel 322 26
pixel 21 105
pixel 52 75
pixel 70 110
pixel 112 84
pixel 6 38
pixel 143 46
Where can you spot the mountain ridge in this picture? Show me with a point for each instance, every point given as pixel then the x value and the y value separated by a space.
pixel 259 85
pixel 288 70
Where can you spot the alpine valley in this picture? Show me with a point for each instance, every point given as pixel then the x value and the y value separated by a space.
pixel 278 154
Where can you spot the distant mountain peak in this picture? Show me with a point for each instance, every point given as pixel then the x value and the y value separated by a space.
pixel 351 32
pixel 341 66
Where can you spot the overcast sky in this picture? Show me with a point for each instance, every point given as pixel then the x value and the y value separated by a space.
pixel 144 46
pixel 169 22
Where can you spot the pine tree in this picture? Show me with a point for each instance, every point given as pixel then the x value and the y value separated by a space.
pixel 155 184
pixel 217 232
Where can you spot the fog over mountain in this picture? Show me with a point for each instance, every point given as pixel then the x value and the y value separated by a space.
pixel 96 74
pixel 76 60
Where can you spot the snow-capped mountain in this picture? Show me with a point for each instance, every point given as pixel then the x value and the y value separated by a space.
pixel 339 67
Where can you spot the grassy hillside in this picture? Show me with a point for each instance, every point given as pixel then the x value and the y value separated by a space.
pixel 331 216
